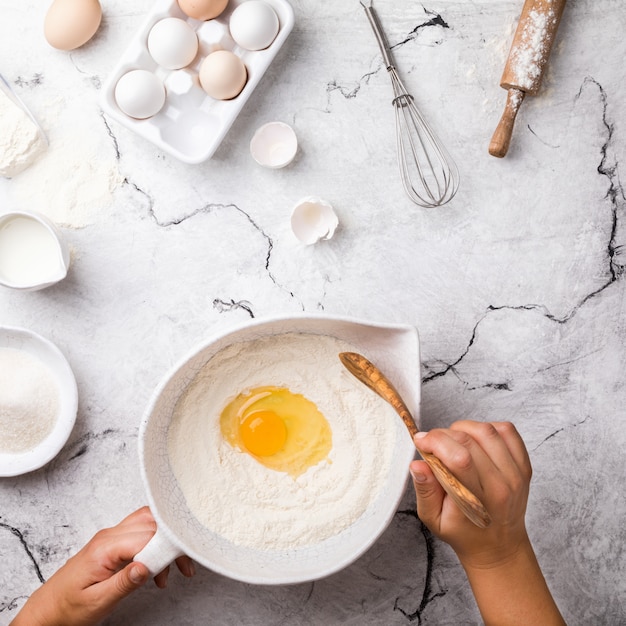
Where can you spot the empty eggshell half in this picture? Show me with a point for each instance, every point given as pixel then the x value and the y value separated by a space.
pixel 223 75
pixel 313 219
pixel 140 94
pixel 172 43
pixel 274 145
pixel 202 9
pixel 254 25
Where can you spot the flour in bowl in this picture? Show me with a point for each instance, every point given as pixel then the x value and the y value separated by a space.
pixel 251 505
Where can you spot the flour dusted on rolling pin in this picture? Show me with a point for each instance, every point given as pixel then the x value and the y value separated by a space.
pixel 525 64
pixel 532 45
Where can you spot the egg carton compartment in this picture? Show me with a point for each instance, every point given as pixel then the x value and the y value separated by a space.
pixel 191 125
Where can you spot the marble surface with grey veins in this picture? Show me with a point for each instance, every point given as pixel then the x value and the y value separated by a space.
pixel 517 286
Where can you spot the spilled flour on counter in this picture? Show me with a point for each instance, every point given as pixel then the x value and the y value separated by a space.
pixel 238 498
pixel 74 180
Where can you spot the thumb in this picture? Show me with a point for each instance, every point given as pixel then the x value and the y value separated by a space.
pixel 105 595
pixel 428 493
pixel 124 582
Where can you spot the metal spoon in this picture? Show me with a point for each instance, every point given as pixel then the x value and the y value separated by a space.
pixel 372 377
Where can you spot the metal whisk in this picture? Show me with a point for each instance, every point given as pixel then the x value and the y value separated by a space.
pixel 429 175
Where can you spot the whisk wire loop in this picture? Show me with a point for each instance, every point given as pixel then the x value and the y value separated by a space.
pixel 429 175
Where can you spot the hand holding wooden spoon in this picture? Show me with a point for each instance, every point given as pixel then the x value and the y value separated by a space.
pixel 372 377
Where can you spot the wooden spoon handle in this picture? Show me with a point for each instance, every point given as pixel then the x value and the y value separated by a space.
pixel 471 506
pixel 372 377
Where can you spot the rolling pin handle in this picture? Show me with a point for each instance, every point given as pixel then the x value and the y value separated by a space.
pixel 501 138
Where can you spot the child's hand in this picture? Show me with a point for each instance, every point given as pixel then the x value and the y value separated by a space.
pixel 89 586
pixel 491 460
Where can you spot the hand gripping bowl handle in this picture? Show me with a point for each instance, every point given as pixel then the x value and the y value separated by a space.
pixel 158 553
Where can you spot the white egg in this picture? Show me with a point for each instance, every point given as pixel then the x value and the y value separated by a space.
pixel 254 25
pixel 172 43
pixel 140 94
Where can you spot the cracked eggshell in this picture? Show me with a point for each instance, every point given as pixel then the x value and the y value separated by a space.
pixel 313 219
pixel 274 145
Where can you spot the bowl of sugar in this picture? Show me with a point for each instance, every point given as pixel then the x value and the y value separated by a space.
pixel 38 401
pixel 266 461
pixel 33 254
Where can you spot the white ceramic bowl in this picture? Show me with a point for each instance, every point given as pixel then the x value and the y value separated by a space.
pixel 394 348
pixel 50 356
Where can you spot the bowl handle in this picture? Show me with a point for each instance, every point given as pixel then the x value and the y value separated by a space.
pixel 158 553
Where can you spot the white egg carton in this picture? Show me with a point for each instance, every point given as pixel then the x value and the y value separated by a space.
pixel 191 125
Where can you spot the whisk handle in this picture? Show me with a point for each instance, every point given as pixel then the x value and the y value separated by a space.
pixel 374 21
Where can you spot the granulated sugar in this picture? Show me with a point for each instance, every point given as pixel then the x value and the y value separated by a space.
pixel 29 401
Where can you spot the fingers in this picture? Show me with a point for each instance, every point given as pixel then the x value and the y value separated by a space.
pixel 463 456
pixel 104 596
pixel 516 446
pixel 141 516
pixel 127 580
pixel 186 566
pixel 428 493
pixel 489 459
pixel 478 451
pixel 160 580
pixel 117 545
pixel 500 441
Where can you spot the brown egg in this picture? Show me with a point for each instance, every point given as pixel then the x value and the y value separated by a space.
pixel 202 9
pixel 223 75
pixel 71 23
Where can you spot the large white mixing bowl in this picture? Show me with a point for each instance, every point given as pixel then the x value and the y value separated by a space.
pixel 393 348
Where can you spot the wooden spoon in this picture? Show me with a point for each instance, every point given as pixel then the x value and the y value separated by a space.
pixel 372 377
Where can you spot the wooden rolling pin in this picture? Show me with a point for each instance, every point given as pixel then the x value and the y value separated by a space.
pixel 524 67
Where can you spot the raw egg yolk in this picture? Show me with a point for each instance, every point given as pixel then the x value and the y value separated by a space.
pixel 263 433
pixel 283 431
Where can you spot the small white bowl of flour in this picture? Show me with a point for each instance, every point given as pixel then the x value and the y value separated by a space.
pixel 232 514
pixel 38 401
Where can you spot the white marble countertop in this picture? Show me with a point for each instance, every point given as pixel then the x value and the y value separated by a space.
pixel 516 286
